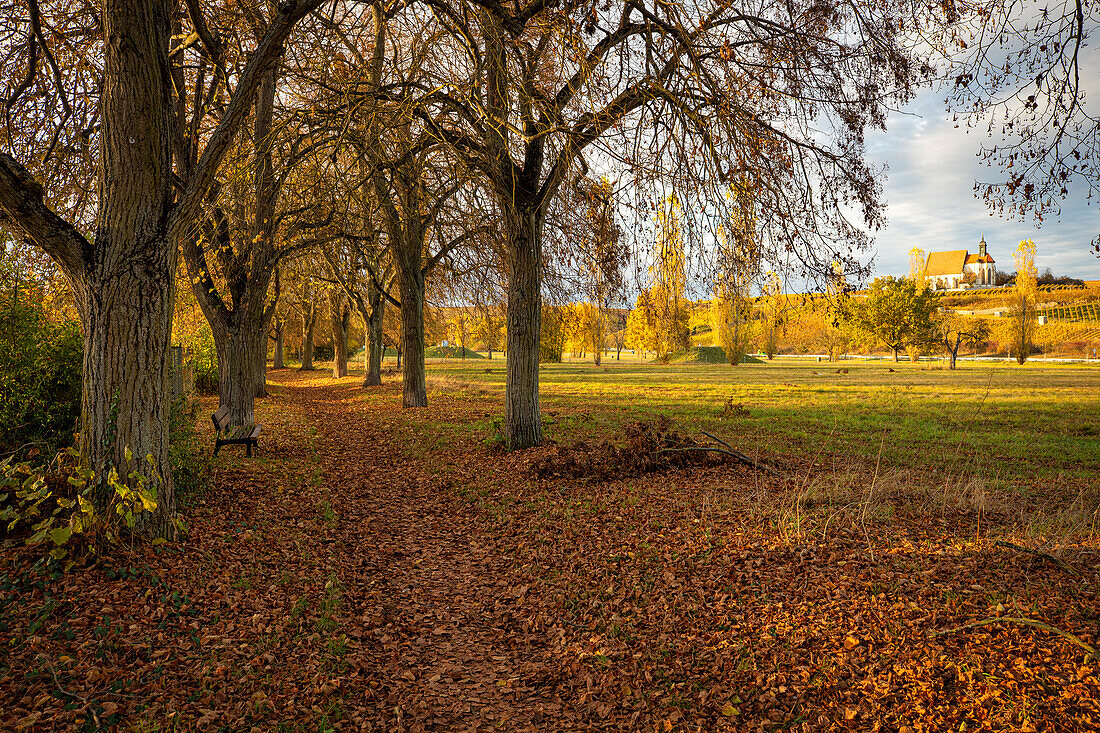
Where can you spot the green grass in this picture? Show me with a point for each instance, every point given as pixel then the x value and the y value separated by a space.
pixel 1014 424
pixel 700 355
pixel 450 352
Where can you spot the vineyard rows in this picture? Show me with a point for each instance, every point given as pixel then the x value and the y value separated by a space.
pixel 1075 313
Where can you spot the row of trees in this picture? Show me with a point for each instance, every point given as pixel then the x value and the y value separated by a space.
pixel 902 314
pixel 418 143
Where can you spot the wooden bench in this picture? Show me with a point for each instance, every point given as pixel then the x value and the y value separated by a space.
pixel 245 434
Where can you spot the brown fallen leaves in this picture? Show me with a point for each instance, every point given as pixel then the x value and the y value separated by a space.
pixel 359 574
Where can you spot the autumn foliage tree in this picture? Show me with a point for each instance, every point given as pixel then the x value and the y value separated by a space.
pixel 955 330
pixel 1023 316
pixel 669 281
pixel 692 95
pixel 773 305
pixel 897 313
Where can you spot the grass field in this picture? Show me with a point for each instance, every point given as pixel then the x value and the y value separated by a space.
pixel 1026 427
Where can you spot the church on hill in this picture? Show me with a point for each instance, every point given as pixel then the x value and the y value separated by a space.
pixel 958 268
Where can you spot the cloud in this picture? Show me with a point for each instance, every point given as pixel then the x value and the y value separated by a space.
pixel 932 166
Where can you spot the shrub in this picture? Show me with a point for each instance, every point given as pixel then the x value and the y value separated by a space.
pixel 40 369
pixel 190 468
pixel 204 361
pixel 51 507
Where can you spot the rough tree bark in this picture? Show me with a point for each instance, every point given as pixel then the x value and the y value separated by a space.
pixel 410 285
pixel 522 423
pixel 237 355
pixel 372 335
pixel 277 355
pixel 259 374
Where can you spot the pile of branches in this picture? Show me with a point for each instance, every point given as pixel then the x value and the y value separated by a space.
pixel 647 446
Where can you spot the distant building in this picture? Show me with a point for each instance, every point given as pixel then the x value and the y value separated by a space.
pixel 958 268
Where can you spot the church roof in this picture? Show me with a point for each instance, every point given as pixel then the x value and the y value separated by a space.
pixel 977 259
pixel 945 263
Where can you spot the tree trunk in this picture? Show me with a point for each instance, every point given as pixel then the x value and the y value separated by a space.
pixel 309 319
pixel 954 356
pixel 398 350
pixel 126 292
pixel 372 335
pixel 259 360
pixel 522 423
pixel 127 319
pixel 277 356
pixel 237 356
pixel 410 282
pixel 895 356
pixel 339 316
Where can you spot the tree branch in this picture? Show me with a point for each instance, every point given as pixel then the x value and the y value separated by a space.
pixel 23 211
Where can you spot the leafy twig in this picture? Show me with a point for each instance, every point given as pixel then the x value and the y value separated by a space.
pixel 1020 548
pixel 1091 650
pixel 73 695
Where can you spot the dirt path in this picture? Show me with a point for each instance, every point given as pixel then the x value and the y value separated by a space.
pixel 437 592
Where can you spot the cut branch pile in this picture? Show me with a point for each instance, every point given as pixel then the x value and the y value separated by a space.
pixel 647 447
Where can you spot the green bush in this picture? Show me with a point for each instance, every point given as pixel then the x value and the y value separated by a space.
pixel 51 507
pixel 204 361
pixel 40 366
pixel 186 451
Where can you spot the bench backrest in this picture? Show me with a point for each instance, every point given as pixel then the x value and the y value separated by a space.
pixel 220 418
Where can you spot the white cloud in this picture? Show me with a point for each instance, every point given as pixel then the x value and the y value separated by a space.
pixel 931 203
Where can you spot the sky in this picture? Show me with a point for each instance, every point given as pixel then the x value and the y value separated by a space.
pixel 931 169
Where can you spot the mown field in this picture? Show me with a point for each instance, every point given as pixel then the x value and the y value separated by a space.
pixel 1019 428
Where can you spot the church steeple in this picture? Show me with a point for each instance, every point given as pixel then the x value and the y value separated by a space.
pixel 981 246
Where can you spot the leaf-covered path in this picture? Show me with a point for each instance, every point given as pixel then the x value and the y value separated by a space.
pixel 378 569
pixel 435 591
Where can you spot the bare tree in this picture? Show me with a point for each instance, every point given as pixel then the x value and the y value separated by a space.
pixel 692 94
pixel 1016 69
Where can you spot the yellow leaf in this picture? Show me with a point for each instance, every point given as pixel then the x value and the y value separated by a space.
pixel 729 710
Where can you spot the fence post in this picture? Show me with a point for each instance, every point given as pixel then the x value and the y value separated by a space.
pixel 175 372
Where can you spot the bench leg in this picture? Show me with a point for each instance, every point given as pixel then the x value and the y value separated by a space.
pixel 217 446
pixel 248 448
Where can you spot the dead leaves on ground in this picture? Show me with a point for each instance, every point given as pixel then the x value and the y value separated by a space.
pixel 340 582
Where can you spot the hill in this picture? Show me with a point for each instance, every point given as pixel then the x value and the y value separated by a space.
pixel 707 355
pixel 450 352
